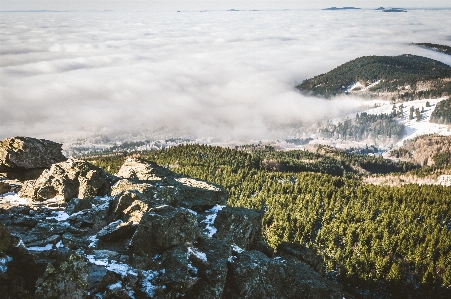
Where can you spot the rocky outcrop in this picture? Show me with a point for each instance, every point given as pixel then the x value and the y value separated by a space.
pixel 171 188
pixel 69 179
pixel 26 158
pixel 239 226
pixel 164 227
pixel 253 275
pixel 152 234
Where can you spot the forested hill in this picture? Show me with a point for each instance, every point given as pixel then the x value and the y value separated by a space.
pixel 393 76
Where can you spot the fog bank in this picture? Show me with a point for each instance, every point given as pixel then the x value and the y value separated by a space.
pixel 228 75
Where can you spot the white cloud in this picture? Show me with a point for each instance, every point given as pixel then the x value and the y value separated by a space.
pixel 220 74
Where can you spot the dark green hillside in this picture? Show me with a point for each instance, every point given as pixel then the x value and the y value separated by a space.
pixel 442 112
pixel 386 242
pixel 436 47
pixel 393 71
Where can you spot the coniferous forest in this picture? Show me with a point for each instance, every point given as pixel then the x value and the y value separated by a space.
pixel 380 241
pixel 442 112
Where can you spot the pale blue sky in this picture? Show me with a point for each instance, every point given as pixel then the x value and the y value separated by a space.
pixel 208 4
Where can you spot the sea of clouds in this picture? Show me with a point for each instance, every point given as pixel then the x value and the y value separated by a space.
pixel 221 74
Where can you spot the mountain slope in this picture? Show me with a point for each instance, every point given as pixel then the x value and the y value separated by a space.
pixel 395 76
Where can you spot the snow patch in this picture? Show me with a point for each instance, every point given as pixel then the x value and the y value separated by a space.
pixel 114 266
pixel 147 286
pixel 122 269
pixel 41 248
pixel 193 270
pixel 117 285
pixel 200 255
pixel 189 210
pixel 237 248
pixel 93 240
pixel 210 230
pixel 3 263
pixel 13 198
pixel 99 262
pixel 60 216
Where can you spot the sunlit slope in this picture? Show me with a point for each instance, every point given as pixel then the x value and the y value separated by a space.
pixel 396 76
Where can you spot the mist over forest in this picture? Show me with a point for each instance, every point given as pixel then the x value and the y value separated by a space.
pixel 227 75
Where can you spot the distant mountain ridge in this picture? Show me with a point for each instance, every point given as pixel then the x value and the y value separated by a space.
pixel 396 77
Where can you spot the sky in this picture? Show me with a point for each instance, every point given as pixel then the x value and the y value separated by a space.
pixel 226 75
pixel 207 4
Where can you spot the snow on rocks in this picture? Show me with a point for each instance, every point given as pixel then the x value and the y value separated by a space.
pixel 4 263
pixel 210 230
pixel 200 255
pixel 41 248
pixel 59 216
pixel 13 198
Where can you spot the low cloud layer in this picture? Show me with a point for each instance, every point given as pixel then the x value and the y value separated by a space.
pixel 227 75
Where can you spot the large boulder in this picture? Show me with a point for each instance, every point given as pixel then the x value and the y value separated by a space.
pixel 197 194
pixel 164 227
pixel 210 258
pixel 140 170
pixel 239 226
pixel 171 188
pixel 180 275
pixel 117 230
pixel 69 179
pixel 127 191
pixel 253 275
pixel 26 156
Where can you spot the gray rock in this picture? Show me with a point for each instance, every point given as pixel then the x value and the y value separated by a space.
pixel 29 153
pixel 4 187
pixel 128 191
pixel 164 227
pixel 70 179
pixel 135 212
pixel 197 194
pixel 239 226
pixel 302 253
pixel 45 233
pixel 95 218
pixel 5 238
pixel 170 188
pixel 210 258
pixel 76 205
pixel 21 274
pixel 253 275
pixel 180 275
pixel 116 230
pixel 66 279
pixel 140 170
